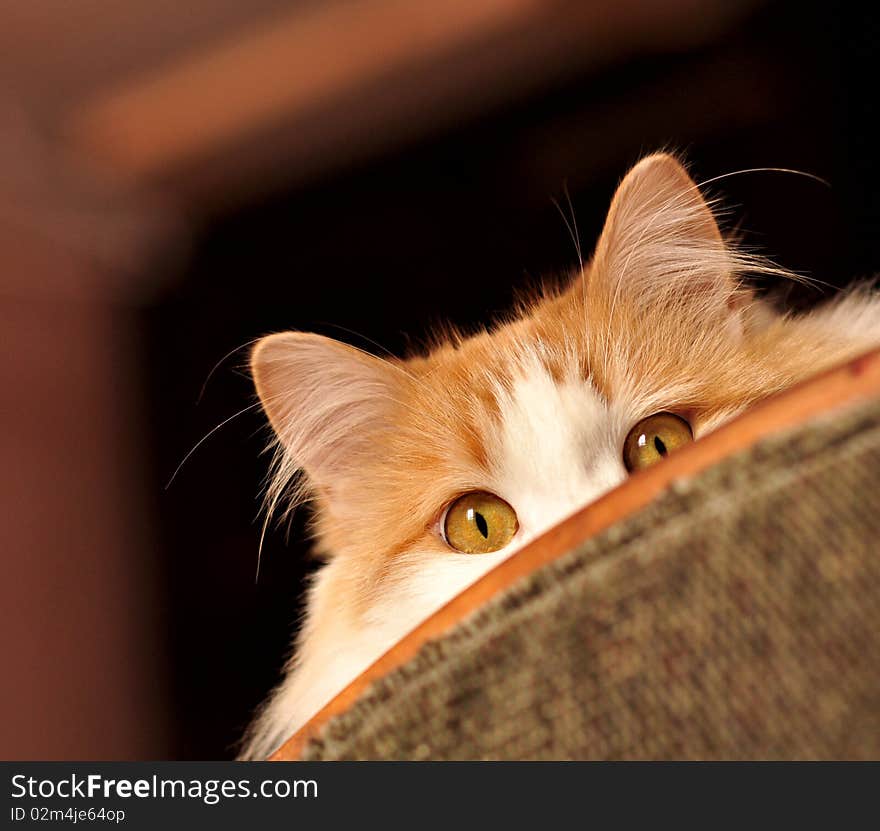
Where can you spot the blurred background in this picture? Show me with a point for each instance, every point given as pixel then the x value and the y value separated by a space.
pixel 178 178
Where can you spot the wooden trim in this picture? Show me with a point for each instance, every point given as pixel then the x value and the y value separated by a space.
pixel 846 385
pixel 285 67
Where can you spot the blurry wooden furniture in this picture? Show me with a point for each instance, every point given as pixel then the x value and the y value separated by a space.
pixel 219 99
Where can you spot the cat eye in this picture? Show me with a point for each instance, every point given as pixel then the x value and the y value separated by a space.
pixel 653 438
pixel 478 523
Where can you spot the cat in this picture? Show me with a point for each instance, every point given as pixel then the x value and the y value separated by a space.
pixel 425 473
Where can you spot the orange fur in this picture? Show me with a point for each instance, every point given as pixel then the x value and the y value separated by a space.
pixel 658 320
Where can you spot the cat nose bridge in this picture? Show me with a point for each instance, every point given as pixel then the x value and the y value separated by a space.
pixel 602 476
pixel 579 495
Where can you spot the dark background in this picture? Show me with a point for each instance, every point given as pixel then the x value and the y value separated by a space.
pixel 376 248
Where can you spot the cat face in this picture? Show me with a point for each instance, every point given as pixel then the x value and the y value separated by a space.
pixel 535 412
pixel 486 441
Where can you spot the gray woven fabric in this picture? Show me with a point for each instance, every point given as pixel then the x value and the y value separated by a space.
pixel 738 616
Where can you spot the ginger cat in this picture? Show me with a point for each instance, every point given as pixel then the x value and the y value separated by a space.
pixel 425 473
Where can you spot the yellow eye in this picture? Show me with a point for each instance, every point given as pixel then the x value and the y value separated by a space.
pixel 478 523
pixel 653 438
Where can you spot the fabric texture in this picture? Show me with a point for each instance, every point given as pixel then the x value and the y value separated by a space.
pixel 736 617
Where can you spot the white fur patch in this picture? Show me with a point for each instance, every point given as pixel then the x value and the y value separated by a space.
pixel 337 651
pixel 559 448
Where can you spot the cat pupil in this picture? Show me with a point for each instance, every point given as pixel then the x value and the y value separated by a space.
pixel 659 446
pixel 482 525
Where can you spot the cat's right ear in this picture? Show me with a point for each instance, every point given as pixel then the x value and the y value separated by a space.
pixel 661 248
pixel 324 400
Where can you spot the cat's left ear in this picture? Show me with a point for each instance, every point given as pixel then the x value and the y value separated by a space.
pixel 661 244
pixel 326 402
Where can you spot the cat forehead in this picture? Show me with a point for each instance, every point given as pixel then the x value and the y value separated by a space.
pixel 550 334
pixel 629 358
pixel 557 445
pixel 511 394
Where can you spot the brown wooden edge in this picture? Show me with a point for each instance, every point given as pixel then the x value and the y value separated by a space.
pixel 289 64
pixel 848 384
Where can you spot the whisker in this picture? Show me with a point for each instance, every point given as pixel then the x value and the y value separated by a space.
pixel 219 363
pixel 204 438
pixel 793 171
pixel 576 239
pixel 357 334
pixel 570 226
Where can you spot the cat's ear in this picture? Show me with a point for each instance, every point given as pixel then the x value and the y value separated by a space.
pixel 661 242
pixel 325 400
